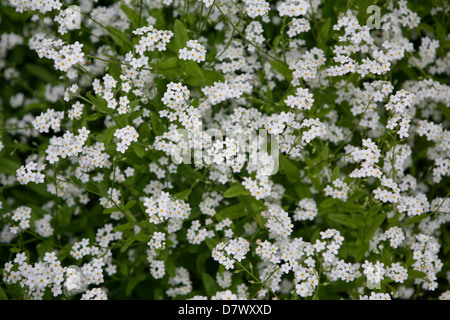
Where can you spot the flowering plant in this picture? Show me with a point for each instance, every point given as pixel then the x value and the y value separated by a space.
pixel 218 149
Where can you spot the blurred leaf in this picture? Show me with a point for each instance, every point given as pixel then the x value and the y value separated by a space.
pixel 120 38
pixel 210 284
pixel 235 191
pixel 42 73
pixel 232 212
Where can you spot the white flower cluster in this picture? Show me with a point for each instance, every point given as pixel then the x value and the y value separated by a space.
pixel 194 51
pixel 49 119
pixel 339 190
pixel 369 157
pixel 161 208
pixel 31 5
pixel 256 8
pixel 224 280
pixel 105 235
pixel 69 145
pixel 306 210
pixel 196 235
pixel 293 8
pixel 302 100
pixel 151 39
pixel 93 157
pixel 254 32
pixel 22 216
pixel 220 92
pixel 112 199
pixel 427 53
pixel 43 226
pixel 376 296
pixel 395 235
pixel 36 278
pixel 31 172
pixel 182 282
pixel 125 136
pixel 64 56
pixel 374 272
pixel 426 255
pixel 278 222
pixel 307 66
pixel 227 253
pixel 158 240
pixel 157 267
pixel 76 112
pixel 298 26
pixel 400 104
pixel 209 202
pixel 94 294
pixel 68 19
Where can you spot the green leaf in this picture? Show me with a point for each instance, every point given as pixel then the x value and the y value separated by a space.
pixel 120 38
pixel 139 150
pixel 41 72
pixel 342 219
pixel 352 207
pixel 210 284
pixel 123 227
pixel 233 212
pixel 374 224
pixel 328 203
pixel 194 75
pixel 289 169
pixel 129 205
pixel 211 243
pixel 94 116
pixel 180 35
pixel 325 26
pixel 141 237
pixel 183 195
pixel 132 283
pixel 282 68
pixel 99 103
pixel 415 274
pixel 157 125
pixel 336 173
pixel 9 166
pixel 235 191
pixel 3 295
pixel 131 14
